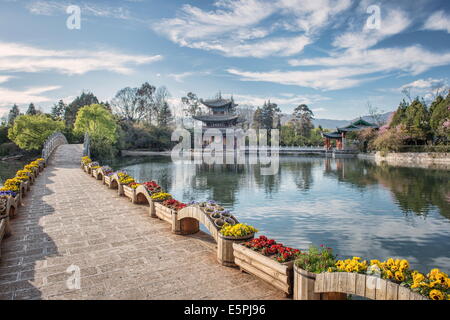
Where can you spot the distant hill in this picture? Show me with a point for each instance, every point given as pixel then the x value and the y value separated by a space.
pixel 333 124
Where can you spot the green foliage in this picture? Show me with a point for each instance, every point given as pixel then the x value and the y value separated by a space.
pixel 85 99
pixel 417 121
pixel 30 131
pixel 316 260
pixel 440 113
pixel 191 104
pixel 302 121
pixel 101 126
pixel 140 136
pixel 58 110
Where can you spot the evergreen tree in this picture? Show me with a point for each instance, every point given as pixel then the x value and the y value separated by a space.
pixel 58 110
pixel 399 115
pixel 270 114
pixel 32 110
pixel 440 116
pixel 13 114
pixel 416 121
pixel 303 116
pixel 257 118
pixel 164 115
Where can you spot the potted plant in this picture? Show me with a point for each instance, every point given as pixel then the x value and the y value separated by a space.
pixel 130 191
pixel 268 260
pixel 228 235
pixel 161 211
pixel 13 186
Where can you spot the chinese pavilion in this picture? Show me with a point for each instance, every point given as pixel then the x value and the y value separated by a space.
pixel 340 133
pixel 221 115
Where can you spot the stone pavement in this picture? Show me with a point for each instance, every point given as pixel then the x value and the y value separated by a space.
pixel 69 218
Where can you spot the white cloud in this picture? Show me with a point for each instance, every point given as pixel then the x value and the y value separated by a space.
pixel 4 78
pixel 23 58
pixel 438 21
pixel 50 8
pixel 395 22
pixel 324 79
pixel 33 94
pixel 230 29
pixel 179 77
pixel 288 100
pixel 311 15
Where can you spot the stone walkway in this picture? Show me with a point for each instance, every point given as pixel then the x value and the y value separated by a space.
pixel 69 219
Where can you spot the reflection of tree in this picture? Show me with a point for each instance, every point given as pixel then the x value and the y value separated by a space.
pixel 302 172
pixel 415 189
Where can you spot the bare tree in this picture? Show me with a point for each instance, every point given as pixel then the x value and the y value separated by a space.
pixel 126 105
pixel 375 114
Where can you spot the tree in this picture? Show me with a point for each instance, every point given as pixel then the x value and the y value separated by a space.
pixel 162 109
pixel 99 123
pixel 126 105
pixel 85 99
pixel 257 118
pixel 32 110
pixel 303 120
pixel 13 114
pixel 375 114
pixel 417 121
pixel 191 104
pixel 440 115
pixel 146 101
pixel 30 131
pixel 270 116
pixel 399 115
pixel 58 110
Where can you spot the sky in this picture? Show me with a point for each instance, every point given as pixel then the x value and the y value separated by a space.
pixel 336 56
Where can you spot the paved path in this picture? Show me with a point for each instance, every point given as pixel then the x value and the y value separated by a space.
pixel 71 219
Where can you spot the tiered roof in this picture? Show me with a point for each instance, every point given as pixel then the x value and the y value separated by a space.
pixel 357 125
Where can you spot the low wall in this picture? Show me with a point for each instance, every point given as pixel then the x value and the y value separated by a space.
pixel 429 160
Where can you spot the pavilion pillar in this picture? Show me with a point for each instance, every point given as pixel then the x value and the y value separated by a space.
pixel 343 141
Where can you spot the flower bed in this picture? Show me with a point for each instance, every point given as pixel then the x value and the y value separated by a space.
pixel 130 191
pixel 152 187
pixel 318 272
pixel 268 260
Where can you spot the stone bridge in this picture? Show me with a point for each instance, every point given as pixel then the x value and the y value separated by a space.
pixel 70 221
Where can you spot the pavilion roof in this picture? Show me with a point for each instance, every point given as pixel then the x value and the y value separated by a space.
pixel 357 125
pixel 332 135
pixel 216 118
pixel 217 103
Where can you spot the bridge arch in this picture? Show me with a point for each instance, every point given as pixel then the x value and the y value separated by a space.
pixel 185 221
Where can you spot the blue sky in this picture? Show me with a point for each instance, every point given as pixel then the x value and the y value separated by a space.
pixel 329 54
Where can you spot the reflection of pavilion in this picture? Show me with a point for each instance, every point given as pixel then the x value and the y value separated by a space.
pixel 221 116
pixel 340 134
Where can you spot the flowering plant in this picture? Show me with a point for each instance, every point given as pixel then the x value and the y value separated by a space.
pixel 22 178
pixel 31 166
pixel 152 187
pixel 23 172
pixel 237 230
pixel 7 194
pixel 11 185
pixel 134 185
pixel 316 260
pixel 161 196
pixel 40 160
pixel 269 247
pixel 174 204
pixel 86 160
pixel 124 178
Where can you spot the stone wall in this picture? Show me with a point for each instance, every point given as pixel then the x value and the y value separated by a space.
pixel 432 160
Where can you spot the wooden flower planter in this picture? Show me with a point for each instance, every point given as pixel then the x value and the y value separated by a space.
pixel 4 228
pixel 130 193
pixel 280 275
pixel 225 250
pixel 336 286
pixel 163 212
pixel 108 180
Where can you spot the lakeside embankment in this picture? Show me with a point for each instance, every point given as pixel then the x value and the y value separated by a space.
pixel 427 160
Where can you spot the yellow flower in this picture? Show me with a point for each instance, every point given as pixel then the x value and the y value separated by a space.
pixel 436 295
pixel 399 276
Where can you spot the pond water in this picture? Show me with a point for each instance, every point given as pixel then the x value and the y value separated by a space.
pixel 353 206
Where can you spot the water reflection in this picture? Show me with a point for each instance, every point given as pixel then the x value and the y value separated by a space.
pixel 355 206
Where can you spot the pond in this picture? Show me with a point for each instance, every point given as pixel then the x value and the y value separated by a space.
pixel 351 205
